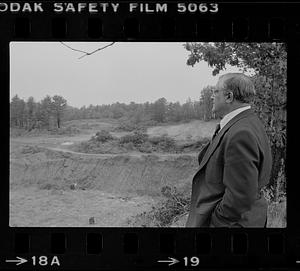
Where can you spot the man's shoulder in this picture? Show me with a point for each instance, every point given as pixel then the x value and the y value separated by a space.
pixel 248 123
pixel 248 118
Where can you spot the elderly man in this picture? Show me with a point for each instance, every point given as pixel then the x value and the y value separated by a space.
pixel 236 163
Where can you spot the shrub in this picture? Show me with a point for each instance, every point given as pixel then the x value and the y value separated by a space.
pixel 167 211
pixel 127 126
pixel 271 196
pixel 163 142
pixel 137 138
pixel 129 146
pixel 146 147
pixel 102 136
pixel 176 205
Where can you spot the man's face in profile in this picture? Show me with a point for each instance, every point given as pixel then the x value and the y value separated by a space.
pixel 219 99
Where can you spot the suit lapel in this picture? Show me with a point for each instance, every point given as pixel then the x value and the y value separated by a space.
pixel 202 152
pixel 211 148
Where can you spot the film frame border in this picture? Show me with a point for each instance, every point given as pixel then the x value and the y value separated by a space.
pixel 223 247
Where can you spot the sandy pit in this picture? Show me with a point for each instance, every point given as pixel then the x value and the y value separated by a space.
pixel 51 186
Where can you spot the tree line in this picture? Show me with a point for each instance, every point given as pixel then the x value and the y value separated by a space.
pixel 47 113
pixel 50 112
pixel 160 111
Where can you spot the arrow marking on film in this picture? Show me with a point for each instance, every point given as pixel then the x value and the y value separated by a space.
pixel 18 261
pixel 171 261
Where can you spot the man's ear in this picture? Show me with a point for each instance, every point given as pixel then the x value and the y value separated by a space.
pixel 229 97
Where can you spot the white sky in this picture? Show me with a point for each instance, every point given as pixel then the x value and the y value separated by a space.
pixel 124 72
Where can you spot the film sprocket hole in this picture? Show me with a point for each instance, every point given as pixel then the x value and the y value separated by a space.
pixel 110 104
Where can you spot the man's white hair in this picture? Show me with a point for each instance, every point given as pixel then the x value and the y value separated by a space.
pixel 240 85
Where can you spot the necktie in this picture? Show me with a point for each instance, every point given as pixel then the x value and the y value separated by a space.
pixel 218 127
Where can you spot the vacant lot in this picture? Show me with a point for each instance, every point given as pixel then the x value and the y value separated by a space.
pixel 53 186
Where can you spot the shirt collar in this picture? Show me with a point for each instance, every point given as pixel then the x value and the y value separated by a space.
pixel 232 114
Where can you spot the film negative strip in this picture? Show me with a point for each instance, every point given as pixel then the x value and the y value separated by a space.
pixel 104 174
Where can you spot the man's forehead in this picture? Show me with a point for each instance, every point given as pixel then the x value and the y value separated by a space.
pixel 220 82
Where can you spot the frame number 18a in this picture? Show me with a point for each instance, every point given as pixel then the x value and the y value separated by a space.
pixel 44 261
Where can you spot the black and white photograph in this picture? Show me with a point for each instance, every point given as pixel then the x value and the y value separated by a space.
pixel 148 134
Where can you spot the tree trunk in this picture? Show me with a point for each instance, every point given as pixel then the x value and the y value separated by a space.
pixel 58 122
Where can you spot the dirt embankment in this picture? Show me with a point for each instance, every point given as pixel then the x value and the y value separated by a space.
pixel 53 187
pixel 120 174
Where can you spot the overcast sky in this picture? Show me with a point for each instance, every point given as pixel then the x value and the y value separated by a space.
pixel 124 72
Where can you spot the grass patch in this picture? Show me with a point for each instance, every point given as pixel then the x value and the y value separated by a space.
pixel 129 125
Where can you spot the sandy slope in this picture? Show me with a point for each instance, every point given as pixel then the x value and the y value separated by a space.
pixel 111 188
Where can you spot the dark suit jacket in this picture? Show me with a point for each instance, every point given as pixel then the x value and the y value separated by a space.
pixel 232 169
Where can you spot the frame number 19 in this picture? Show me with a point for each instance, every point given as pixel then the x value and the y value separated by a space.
pixel 193 261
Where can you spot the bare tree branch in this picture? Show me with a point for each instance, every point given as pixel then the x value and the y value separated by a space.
pixel 72 48
pixel 99 49
pixel 84 52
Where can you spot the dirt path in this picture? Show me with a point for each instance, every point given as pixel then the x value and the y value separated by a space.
pixel 132 154
pixel 50 141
